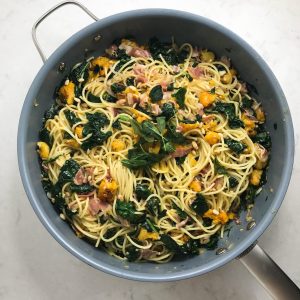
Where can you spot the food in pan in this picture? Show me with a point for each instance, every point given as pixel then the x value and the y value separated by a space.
pixel 149 151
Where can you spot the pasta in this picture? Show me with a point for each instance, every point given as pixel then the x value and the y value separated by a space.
pixel 150 151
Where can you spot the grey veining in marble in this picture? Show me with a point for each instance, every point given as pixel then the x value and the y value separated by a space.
pixel 32 264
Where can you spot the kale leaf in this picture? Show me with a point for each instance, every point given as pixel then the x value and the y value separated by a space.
pixel 96 121
pixel 235 123
pixel 181 213
pixel 212 91
pixel 162 213
pixel 71 117
pixel 69 213
pixel 81 189
pixel 97 69
pixel 180 160
pixel 182 55
pixel 229 110
pixel 142 191
pixel 168 110
pixel 117 124
pixel 68 171
pixel 169 54
pixel 97 139
pixel 153 206
pixel 149 226
pixel 51 112
pixel 59 202
pixel 80 72
pixel 219 168
pixel 189 248
pixel 158 48
pixel 188 121
pixel 173 136
pixel 188 76
pixel 234 145
pixel 248 196
pixel 180 96
pixel 132 253
pixel 161 124
pixel 233 182
pixel 51 159
pixel 110 233
pixel 140 159
pixel 170 244
pixel 67 135
pixel 199 118
pixel 55 190
pixel 170 87
pixel 156 93
pixel 206 222
pixel 94 99
pixel 127 211
pixel 44 136
pixel 226 108
pixel 246 103
pixel 200 205
pixel 118 88
pixel 213 242
pixel 122 57
pixel 78 90
pixel 109 98
pixel 264 139
pixel 130 81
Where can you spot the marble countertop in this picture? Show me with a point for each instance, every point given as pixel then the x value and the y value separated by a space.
pixel 32 264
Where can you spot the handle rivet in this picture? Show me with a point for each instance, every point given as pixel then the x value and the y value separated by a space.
pixel 221 251
pixel 97 38
pixel 251 225
pixel 61 67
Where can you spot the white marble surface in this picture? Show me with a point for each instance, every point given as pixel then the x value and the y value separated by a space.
pixel 32 264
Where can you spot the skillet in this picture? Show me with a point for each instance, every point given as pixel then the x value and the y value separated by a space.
pixel 185 27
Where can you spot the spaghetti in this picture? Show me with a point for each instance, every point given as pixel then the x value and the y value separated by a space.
pixel 150 151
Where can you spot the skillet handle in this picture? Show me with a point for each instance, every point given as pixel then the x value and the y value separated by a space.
pixel 49 12
pixel 269 274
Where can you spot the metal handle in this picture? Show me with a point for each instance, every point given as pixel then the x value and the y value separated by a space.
pixel 49 12
pixel 269 274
